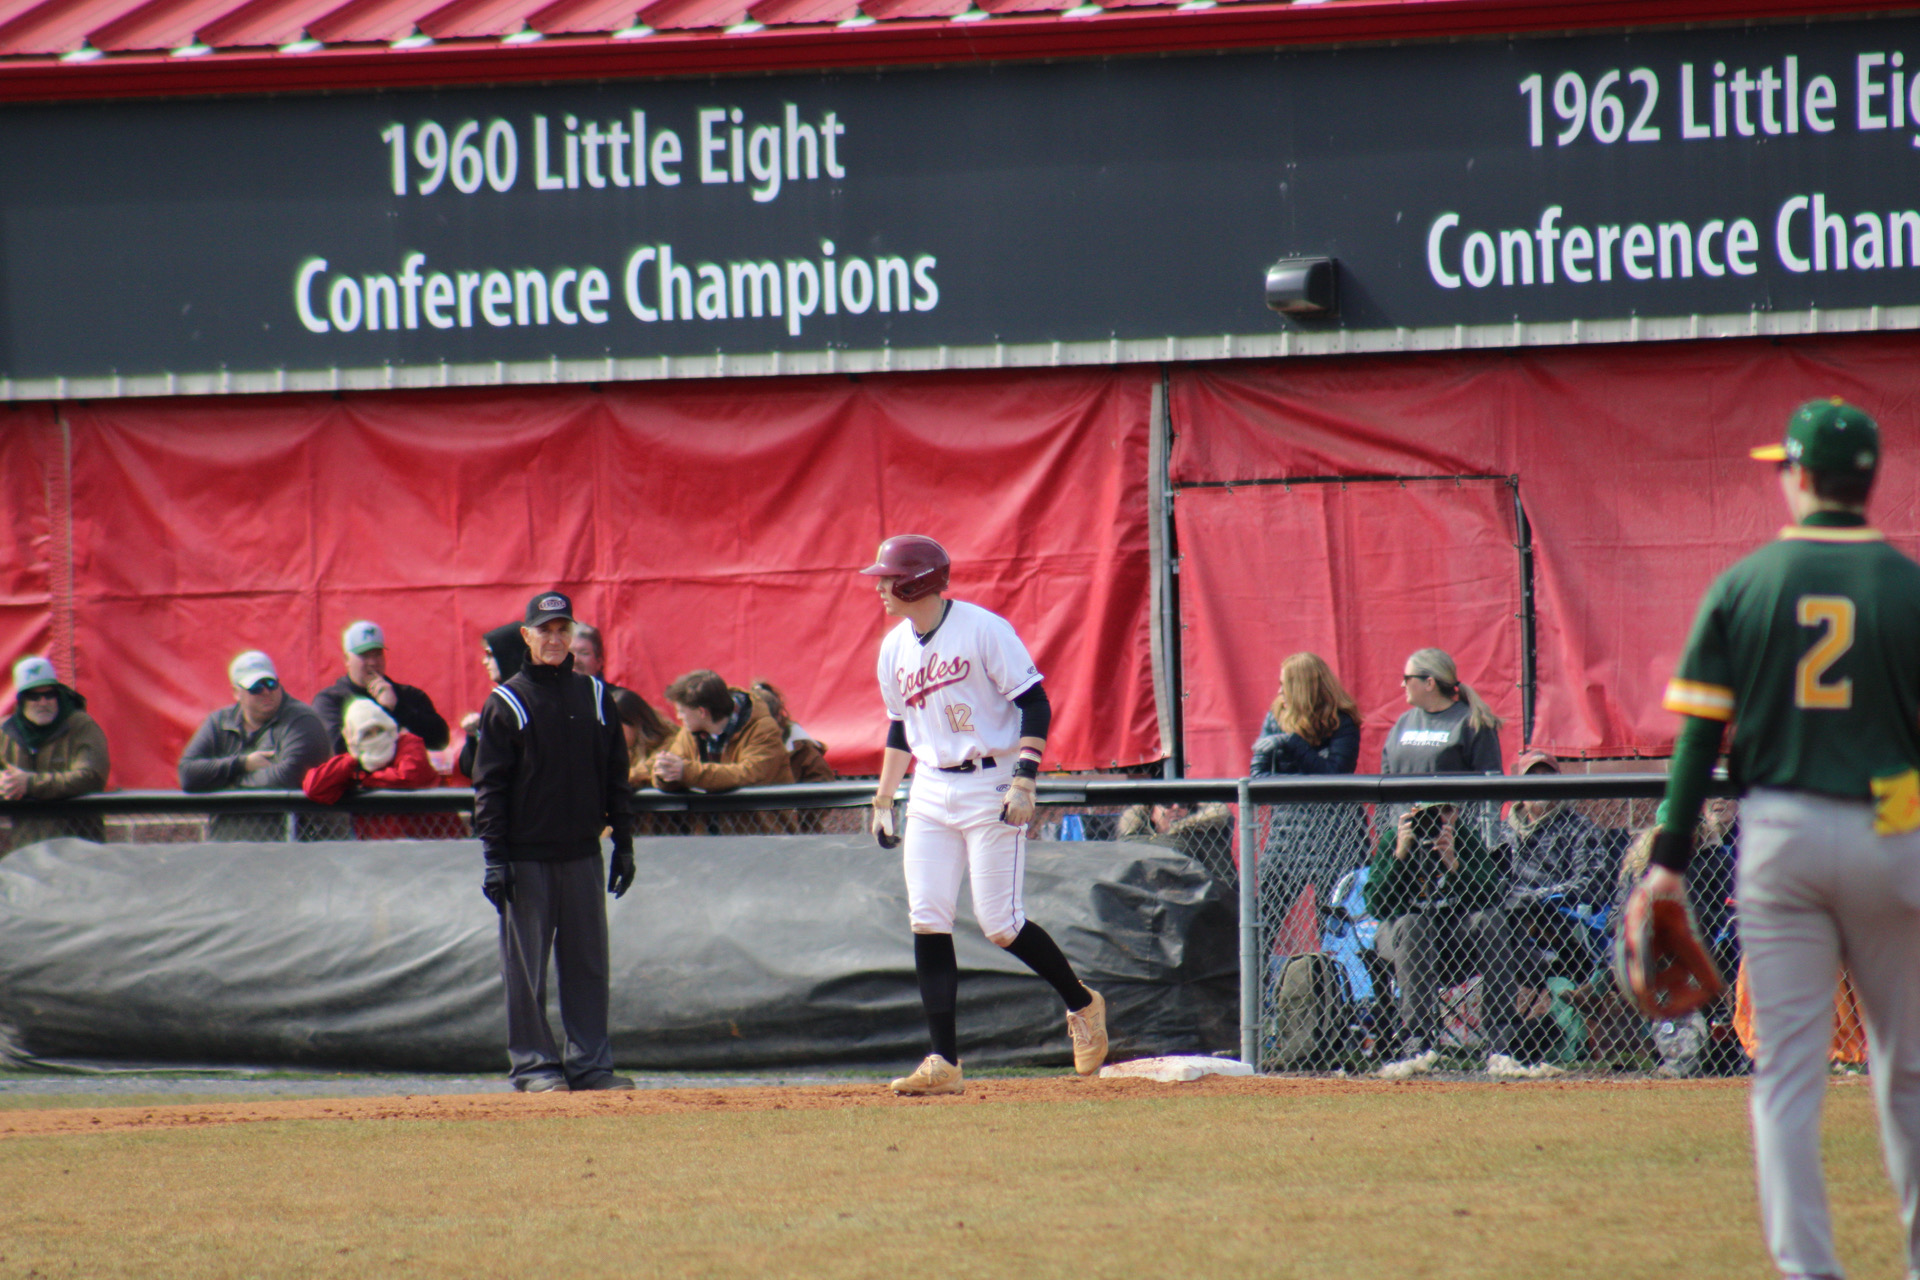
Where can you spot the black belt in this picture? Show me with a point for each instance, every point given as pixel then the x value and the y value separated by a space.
pixel 968 766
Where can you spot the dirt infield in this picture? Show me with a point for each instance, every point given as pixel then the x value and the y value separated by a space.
pixel 655 1102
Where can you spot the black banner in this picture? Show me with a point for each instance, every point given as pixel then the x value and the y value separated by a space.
pixel 1705 172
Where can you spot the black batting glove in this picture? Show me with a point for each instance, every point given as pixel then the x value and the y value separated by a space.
pixel 620 875
pixel 497 884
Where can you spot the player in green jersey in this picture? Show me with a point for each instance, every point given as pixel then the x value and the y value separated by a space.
pixel 1810 646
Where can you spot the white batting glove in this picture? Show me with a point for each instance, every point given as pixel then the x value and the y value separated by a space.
pixel 1018 809
pixel 884 829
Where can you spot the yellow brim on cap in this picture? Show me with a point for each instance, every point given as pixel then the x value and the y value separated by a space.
pixel 1769 453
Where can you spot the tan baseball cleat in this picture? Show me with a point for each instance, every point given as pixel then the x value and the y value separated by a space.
pixel 1088 1029
pixel 934 1075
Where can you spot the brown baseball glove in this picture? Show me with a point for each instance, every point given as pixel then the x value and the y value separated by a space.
pixel 1659 962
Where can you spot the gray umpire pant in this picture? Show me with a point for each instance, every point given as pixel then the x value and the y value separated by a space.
pixel 1818 887
pixel 557 907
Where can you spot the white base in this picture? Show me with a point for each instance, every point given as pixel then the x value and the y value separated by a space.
pixel 1175 1069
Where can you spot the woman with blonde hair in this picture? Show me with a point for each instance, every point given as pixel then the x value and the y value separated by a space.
pixel 1313 727
pixel 1447 727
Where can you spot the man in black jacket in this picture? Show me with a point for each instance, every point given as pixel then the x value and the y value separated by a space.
pixel 550 774
pixel 365 648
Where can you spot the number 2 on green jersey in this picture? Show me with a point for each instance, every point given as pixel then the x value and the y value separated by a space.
pixel 1811 690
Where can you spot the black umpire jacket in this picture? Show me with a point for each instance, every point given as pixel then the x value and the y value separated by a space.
pixel 551 771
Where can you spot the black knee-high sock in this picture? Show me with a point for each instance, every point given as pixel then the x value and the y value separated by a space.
pixel 939 973
pixel 1038 950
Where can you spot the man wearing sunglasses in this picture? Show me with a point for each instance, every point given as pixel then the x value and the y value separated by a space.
pixel 52 750
pixel 265 741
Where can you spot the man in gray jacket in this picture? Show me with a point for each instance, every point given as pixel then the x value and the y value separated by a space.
pixel 265 741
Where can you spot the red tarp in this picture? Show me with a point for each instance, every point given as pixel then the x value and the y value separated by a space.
pixel 30 462
pixel 1631 463
pixel 709 524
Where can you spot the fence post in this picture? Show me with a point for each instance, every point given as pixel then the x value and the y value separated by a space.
pixel 1249 932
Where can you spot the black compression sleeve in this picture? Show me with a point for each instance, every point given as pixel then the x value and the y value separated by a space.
pixel 1694 751
pixel 1036 713
pixel 897 735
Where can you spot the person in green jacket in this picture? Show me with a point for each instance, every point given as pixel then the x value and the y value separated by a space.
pixel 1436 890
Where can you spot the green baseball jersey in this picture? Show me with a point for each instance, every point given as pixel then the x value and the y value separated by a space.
pixel 1811 646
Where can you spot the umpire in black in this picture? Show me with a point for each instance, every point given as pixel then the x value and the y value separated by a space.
pixel 551 774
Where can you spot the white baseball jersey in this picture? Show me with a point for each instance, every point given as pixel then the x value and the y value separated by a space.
pixel 955 690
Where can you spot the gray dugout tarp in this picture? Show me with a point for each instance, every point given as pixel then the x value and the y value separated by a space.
pixel 728 952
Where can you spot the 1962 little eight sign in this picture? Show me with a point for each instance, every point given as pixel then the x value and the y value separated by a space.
pixel 1545 180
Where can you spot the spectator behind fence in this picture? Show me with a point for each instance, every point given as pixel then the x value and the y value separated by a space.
pixel 380 755
pixel 53 750
pixel 806 754
pixel 1560 861
pixel 1313 727
pixel 552 775
pixel 1447 727
pixel 1436 890
pixel 590 654
pixel 365 647
pixel 502 654
pixel 645 731
pixel 727 739
pixel 265 741
pixel 1204 834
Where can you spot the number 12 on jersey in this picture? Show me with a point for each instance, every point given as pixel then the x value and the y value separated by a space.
pixel 1811 690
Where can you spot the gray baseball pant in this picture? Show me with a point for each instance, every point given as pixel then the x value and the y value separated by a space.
pixel 557 907
pixel 1817 887
pixel 1430 949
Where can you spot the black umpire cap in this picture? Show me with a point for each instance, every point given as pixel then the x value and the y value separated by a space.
pixel 547 606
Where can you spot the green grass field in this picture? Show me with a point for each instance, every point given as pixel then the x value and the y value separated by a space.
pixel 1602 1180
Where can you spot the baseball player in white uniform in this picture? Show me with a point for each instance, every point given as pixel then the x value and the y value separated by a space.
pixel 965 700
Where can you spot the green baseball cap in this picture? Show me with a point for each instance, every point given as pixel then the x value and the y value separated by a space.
pixel 1827 435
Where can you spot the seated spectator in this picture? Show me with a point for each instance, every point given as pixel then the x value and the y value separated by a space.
pixel 727 739
pixel 807 754
pixel 1615 1028
pixel 365 646
pixel 1313 727
pixel 1204 834
pixel 503 651
pixel 1558 860
pixel 53 750
pixel 1716 857
pixel 266 741
pixel 1436 889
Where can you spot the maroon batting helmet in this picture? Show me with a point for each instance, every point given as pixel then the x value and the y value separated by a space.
pixel 918 565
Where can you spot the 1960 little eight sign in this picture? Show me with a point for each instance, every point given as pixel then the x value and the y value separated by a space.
pixel 1535 182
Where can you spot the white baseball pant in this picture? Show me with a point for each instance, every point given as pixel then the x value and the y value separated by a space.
pixel 954 830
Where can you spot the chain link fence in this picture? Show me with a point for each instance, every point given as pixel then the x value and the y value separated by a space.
pixel 1390 925
pixel 1466 925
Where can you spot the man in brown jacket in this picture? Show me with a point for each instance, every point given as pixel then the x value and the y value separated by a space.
pixel 52 750
pixel 727 739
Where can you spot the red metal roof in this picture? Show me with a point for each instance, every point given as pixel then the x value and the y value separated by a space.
pixel 65 49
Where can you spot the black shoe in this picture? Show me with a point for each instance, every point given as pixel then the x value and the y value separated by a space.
pixel 541 1084
pixel 608 1081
